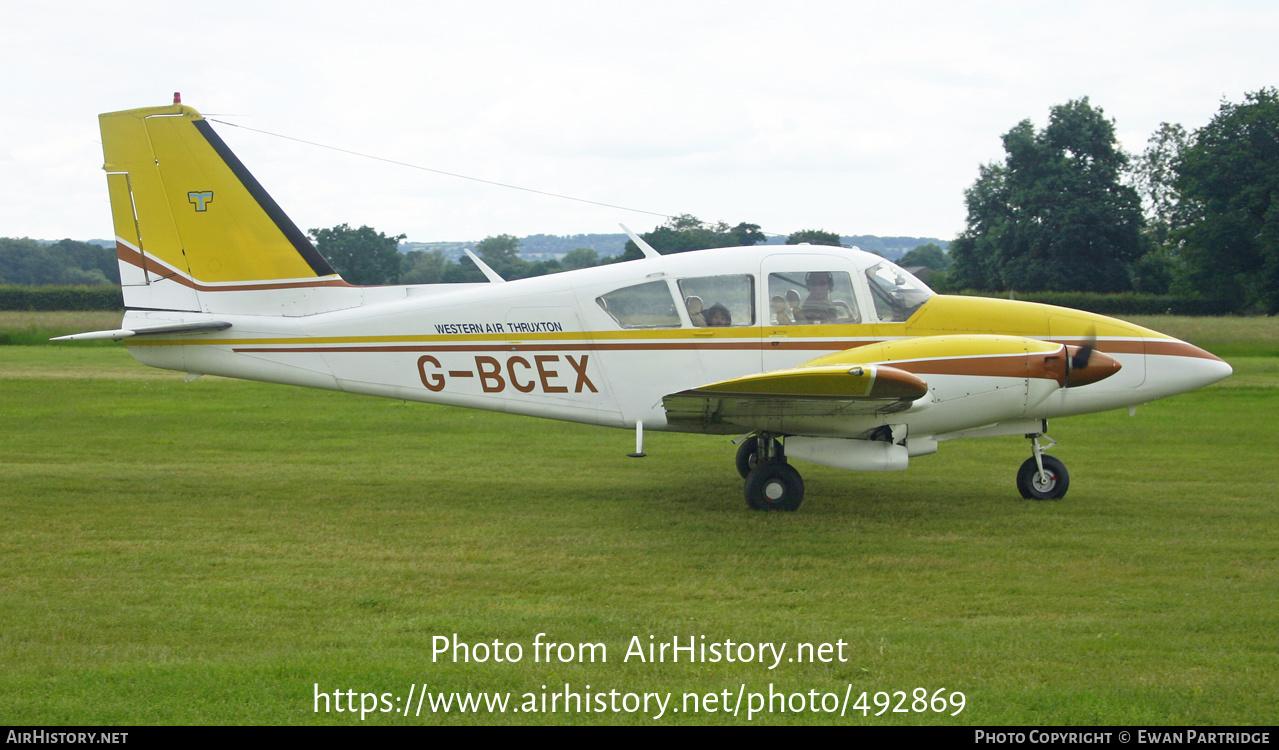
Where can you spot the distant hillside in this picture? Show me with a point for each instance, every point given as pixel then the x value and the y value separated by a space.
pixel 553 246
pixel 892 247
pixel 451 250
pixel 889 247
pixel 535 246
pixel 548 246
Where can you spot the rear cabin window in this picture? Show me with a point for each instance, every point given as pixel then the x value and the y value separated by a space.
pixel 715 301
pixel 647 305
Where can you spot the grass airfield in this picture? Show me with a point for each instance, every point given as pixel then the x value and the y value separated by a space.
pixel 208 552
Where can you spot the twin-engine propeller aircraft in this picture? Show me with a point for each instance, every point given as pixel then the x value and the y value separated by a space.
pixel 825 354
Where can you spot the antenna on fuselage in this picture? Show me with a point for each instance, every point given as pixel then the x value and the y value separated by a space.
pixel 644 247
pixel 488 272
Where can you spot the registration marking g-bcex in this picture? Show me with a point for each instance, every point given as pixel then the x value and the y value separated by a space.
pixel 543 373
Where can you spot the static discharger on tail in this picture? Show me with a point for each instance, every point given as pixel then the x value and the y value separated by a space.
pixel 823 354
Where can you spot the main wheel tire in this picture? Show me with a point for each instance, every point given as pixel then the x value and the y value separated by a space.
pixel 748 455
pixel 1033 487
pixel 774 485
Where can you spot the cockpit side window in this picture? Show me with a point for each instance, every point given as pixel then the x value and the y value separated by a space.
pixel 897 294
pixel 714 301
pixel 811 298
pixel 647 305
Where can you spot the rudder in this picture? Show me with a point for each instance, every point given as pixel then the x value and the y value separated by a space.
pixel 190 220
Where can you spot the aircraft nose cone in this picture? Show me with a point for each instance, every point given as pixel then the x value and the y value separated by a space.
pixel 1100 366
pixel 1174 367
pixel 1197 368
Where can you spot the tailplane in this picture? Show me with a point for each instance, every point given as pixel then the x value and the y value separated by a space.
pixel 191 223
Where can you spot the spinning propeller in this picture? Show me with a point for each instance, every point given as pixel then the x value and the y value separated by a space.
pixel 1084 364
pixel 1080 356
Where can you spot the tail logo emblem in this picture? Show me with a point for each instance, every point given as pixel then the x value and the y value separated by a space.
pixel 200 200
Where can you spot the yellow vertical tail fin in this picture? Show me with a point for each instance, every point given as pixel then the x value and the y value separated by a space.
pixel 190 220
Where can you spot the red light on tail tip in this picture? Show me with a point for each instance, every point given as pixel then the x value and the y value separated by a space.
pixel 177 97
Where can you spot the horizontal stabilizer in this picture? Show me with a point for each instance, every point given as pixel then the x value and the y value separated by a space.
pixel 125 333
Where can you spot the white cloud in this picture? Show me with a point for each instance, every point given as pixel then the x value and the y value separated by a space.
pixel 858 117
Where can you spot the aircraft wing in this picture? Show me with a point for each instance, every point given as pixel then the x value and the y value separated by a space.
pixel 814 391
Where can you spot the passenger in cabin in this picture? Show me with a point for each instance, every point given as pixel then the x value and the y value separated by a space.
pixel 718 315
pixel 696 312
pixel 781 311
pixel 793 310
pixel 819 307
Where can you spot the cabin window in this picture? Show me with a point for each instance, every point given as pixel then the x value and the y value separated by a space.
pixel 714 301
pixel 647 305
pixel 897 294
pixel 815 297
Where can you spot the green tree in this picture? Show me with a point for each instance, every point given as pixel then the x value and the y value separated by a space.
pixel 1154 175
pixel 582 257
pixel 1055 215
pixel 746 235
pixel 1228 180
pixel 542 267
pixel 975 254
pixel 814 237
pixel 930 255
pixel 417 267
pixel 499 249
pixel 362 256
pixel 683 233
pixel 502 253
pixel 463 272
pixel 27 261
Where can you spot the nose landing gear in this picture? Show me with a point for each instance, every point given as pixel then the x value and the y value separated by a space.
pixel 1042 477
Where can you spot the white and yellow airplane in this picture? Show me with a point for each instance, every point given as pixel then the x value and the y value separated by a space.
pixel 825 354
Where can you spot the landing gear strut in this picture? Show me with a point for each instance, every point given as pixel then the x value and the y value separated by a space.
pixel 1042 477
pixel 752 448
pixel 771 483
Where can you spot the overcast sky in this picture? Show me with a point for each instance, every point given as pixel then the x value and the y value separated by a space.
pixel 854 117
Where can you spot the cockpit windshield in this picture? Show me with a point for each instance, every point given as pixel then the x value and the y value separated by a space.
pixel 896 292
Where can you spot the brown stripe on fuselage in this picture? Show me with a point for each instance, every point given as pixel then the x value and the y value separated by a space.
pixel 1002 366
pixel 1120 347
pixel 584 346
pixel 1170 347
pixel 1174 348
pixel 1110 347
pixel 1164 347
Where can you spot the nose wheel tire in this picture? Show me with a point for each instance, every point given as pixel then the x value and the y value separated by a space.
pixel 748 455
pixel 1050 486
pixel 774 485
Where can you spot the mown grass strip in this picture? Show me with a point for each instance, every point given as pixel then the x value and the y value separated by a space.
pixel 207 552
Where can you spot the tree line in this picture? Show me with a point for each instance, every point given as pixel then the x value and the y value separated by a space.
pixel 366 256
pixel 29 262
pixel 1067 210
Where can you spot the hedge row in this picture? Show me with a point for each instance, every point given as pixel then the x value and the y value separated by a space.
pixel 1128 303
pixel 61 298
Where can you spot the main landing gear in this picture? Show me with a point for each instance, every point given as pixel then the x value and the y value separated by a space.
pixel 771 482
pixel 1042 477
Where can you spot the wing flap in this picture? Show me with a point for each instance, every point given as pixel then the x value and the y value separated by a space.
pixel 815 392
